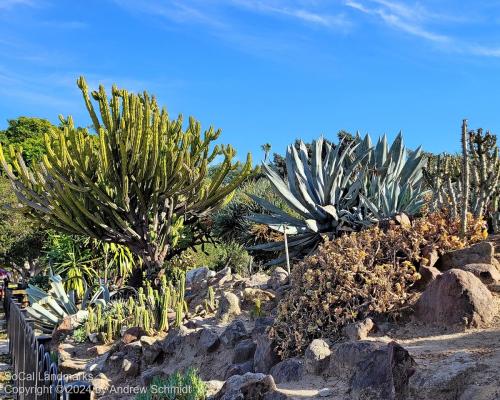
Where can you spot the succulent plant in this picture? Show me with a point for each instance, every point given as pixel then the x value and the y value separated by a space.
pixel 479 188
pixel 49 309
pixel 340 188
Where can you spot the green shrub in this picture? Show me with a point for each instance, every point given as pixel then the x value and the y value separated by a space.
pixel 80 334
pixel 220 255
pixel 178 386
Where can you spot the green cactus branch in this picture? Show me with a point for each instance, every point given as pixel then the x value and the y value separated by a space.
pixel 137 181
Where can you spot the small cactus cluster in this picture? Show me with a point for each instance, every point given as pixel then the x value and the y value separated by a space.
pixel 470 183
pixel 149 311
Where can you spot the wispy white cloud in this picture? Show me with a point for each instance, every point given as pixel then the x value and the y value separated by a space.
pixel 421 22
pixel 401 17
pixel 310 16
pixel 10 4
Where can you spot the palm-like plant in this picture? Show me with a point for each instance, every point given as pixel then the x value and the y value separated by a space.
pixel 340 188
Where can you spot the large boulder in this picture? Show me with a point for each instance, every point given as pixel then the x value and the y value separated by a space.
pixel 487 273
pixel 229 307
pixel 209 341
pixel 383 374
pixel 234 332
pixel 345 357
pixel 428 275
pixel 480 253
pixel 455 298
pixel 248 386
pixel 291 369
pixel 244 351
pixel 317 356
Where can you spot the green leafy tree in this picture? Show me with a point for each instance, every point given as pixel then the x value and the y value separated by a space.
pixel 27 133
pixel 139 181
pixel 21 239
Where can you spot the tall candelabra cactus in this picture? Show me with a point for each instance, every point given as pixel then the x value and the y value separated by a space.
pixel 137 181
pixel 469 183
pixel 465 179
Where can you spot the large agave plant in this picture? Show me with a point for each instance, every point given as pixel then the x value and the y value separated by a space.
pixel 393 180
pixel 341 188
pixel 48 309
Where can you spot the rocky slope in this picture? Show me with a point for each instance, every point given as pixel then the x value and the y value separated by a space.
pixel 448 349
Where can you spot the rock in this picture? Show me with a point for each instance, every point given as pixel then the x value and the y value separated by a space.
pixel 229 307
pixel 130 368
pixel 265 356
pixel 275 395
pixel 317 356
pixel 100 384
pixel 258 280
pixel 251 295
pixel 455 298
pixel 151 349
pixel 99 350
pixel 213 387
pixel 480 253
pixel 428 274
pixel 430 256
pixel 222 276
pixel 239 369
pixel 209 340
pixel 176 338
pixel 279 278
pixel 248 386
pixel 447 377
pixel 131 359
pixel 487 273
pixel 133 334
pixel 235 332
pixel 291 369
pixel 494 288
pixel 244 351
pixel 262 324
pixel 359 330
pixel 148 375
pixel 325 392
pixel 97 365
pixel 346 356
pixel 383 374
pixel 93 338
pixel 197 277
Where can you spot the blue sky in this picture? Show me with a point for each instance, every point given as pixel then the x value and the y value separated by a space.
pixel 264 71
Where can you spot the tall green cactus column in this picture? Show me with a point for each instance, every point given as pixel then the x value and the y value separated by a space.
pixel 465 179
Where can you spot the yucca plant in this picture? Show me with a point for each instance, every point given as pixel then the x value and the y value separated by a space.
pixel 340 188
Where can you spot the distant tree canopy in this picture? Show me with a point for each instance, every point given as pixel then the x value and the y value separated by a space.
pixel 21 237
pixel 27 133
